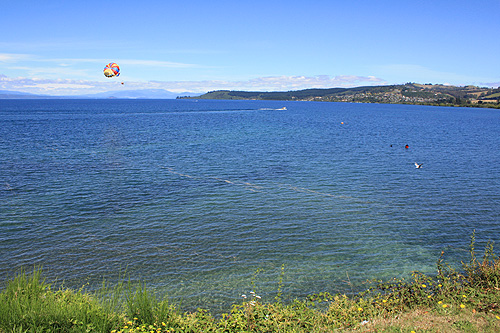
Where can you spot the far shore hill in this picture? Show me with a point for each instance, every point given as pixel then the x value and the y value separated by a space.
pixel 409 93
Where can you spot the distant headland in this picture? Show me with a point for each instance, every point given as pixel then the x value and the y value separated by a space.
pixel 409 93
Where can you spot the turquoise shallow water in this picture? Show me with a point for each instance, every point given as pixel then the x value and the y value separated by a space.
pixel 193 197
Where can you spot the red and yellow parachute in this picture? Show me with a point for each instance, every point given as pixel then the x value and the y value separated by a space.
pixel 111 70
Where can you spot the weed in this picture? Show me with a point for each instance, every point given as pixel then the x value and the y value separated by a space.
pixel 452 300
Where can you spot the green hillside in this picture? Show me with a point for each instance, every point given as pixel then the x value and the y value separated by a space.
pixel 409 93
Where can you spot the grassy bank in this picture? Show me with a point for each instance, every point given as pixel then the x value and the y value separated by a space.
pixel 467 300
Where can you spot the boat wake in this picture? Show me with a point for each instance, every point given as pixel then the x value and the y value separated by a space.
pixel 270 109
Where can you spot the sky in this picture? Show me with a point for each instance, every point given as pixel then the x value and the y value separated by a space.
pixel 61 47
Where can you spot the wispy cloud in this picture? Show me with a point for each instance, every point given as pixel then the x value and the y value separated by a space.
pixel 270 83
pixel 18 57
pixel 60 87
pixel 490 84
pixel 305 82
pixel 284 83
pixel 58 76
pixel 14 57
pixel 422 74
pixel 135 62
pixel 52 72
pixel 157 63
pixel 42 67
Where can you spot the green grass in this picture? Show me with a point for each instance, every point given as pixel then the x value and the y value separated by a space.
pixel 450 301
pixel 497 95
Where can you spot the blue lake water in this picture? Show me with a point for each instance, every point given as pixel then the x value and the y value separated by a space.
pixel 193 197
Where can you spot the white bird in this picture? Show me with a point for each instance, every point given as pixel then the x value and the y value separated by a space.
pixel 418 166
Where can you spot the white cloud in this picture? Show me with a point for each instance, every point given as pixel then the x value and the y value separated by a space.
pixel 17 57
pixel 51 72
pixel 157 63
pixel 85 68
pixel 490 84
pixel 54 87
pixel 14 57
pixel 422 74
pixel 135 62
pixel 270 83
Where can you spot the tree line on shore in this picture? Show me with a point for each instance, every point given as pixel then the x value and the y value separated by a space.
pixel 409 93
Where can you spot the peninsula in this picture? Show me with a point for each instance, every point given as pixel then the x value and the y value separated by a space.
pixel 409 93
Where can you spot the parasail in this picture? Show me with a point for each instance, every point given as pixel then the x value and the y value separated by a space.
pixel 111 70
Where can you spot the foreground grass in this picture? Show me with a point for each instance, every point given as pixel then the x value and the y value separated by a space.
pixel 450 301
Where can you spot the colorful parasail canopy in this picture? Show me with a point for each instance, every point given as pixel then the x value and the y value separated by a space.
pixel 111 70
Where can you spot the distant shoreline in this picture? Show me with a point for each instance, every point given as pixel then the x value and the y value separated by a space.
pixel 409 93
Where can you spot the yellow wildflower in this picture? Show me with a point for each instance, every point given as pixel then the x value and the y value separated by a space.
pixel 440 302
pixel 498 317
pixel 440 285
pixel 445 306
pixel 424 286
pixel 360 309
pixel 429 296
pixel 462 306
pixel 464 296
pixel 384 300
pixel 163 324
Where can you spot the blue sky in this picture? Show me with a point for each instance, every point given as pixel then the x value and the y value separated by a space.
pixel 61 47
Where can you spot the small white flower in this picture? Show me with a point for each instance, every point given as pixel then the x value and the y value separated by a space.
pixel 244 296
pixel 257 296
pixel 252 292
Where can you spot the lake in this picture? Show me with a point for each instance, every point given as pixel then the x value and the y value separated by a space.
pixel 206 200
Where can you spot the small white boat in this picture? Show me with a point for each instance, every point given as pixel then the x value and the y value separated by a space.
pixel 283 108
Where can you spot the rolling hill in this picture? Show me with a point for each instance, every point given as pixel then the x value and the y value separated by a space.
pixel 409 93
